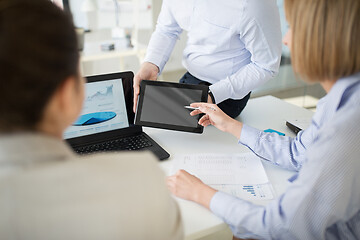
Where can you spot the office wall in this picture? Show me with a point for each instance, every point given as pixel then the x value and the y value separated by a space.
pixel 103 15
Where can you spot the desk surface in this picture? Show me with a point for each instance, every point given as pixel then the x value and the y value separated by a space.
pixel 262 113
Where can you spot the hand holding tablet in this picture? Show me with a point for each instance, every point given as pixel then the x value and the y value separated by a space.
pixel 162 105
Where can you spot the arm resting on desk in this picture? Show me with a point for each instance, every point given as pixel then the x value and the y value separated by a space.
pixel 189 187
pixel 284 151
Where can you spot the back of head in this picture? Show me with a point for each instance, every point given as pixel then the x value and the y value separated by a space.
pixel 325 37
pixel 38 51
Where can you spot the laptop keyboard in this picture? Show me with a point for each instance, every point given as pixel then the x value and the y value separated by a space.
pixel 130 143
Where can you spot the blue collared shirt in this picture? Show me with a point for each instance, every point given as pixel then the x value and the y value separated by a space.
pixel 234 44
pixel 323 201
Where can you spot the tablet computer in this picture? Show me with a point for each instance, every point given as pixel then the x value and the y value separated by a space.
pixel 162 105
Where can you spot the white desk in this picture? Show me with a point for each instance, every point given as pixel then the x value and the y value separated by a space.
pixel 262 113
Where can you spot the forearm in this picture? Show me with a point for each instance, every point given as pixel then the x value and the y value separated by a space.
pixel 238 85
pixel 244 218
pixel 164 38
pixel 159 49
pixel 284 151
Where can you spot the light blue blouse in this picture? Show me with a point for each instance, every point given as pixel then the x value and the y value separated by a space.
pixel 323 200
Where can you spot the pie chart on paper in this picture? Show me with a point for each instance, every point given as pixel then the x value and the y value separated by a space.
pixel 94 118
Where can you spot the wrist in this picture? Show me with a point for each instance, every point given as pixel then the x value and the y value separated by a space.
pixel 203 195
pixel 153 66
pixel 234 127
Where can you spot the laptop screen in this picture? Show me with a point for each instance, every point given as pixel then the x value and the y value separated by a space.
pixel 104 109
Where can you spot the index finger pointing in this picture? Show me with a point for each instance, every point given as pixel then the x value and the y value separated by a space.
pixel 198 104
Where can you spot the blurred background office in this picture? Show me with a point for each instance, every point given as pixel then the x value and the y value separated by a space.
pixel 114 35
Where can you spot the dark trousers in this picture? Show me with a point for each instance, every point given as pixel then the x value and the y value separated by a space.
pixel 231 107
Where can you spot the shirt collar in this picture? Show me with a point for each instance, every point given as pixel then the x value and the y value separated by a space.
pixel 27 149
pixel 335 96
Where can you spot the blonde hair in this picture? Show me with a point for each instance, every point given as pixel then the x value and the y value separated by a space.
pixel 325 37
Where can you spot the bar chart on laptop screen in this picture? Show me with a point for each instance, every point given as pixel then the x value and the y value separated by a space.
pixel 103 110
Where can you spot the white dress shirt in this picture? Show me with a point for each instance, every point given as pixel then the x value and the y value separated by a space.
pixel 323 200
pixel 234 44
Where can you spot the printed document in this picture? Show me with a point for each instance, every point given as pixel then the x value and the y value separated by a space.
pixel 243 168
pixel 241 175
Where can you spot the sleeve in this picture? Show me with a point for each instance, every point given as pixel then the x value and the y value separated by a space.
pixel 320 202
pixel 287 152
pixel 164 38
pixel 260 32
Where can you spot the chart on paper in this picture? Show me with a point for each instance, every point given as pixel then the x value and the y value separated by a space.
pixel 241 175
pixel 248 192
pixel 244 168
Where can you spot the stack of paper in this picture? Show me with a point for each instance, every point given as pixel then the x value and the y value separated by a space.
pixel 241 175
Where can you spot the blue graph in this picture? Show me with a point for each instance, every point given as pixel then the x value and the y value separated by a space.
pixel 249 189
pixel 94 118
pixel 101 95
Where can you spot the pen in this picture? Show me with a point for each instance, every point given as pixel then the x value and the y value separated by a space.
pixel 197 108
pixel 191 108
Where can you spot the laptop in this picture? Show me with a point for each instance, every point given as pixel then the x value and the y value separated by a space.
pixel 106 122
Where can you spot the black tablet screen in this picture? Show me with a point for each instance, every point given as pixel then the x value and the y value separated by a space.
pixel 166 105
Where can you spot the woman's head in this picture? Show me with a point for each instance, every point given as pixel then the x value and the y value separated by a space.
pixel 324 38
pixel 38 52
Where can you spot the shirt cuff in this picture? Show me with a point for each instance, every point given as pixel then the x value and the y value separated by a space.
pixel 221 91
pixel 219 202
pixel 226 206
pixel 239 214
pixel 157 60
pixel 249 136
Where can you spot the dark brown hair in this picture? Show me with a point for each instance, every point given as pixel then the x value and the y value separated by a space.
pixel 38 51
pixel 325 37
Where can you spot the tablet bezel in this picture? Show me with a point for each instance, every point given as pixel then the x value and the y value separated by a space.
pixel 144 83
